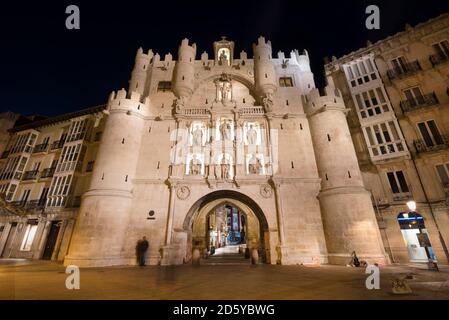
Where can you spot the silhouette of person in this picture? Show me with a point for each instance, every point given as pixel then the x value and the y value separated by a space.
pixel 141 248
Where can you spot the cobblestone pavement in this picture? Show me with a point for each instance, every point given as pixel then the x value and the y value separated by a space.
pixel 21 279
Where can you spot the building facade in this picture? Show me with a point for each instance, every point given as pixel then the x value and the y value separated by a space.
pixel 202 152
pixel 398 93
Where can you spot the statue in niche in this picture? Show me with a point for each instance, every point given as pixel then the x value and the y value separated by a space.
pixel 225 167
pixel 251 135
pixel 223 59
pixel 195 166
pixel 197 136
pixel 225 130
pixel 225 90
pixel 254 165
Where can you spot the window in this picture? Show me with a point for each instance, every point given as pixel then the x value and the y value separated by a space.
pixel 360 72
pixel 164 86
pixel 30 233
pixel 397 181
pixel 286 82
pixel 43 197
pixel 384 139
pixel 77 130
pixel 11 191
pixel 372 102
pixel 399 64
pixel 414 96
pixel 59 190
pixel 25 196
pixel 442 49
pixel 90 166
pixel 98 135
pixel 443 173
pixel 430 133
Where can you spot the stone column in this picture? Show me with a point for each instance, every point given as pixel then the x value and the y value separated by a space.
pixel 281 247
pixel 167 248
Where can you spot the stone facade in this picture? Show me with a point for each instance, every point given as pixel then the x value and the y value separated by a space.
pixel 191 135
pixel 398 93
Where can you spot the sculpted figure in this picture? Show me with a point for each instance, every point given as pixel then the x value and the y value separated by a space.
pixel 251 135
pixel 197 137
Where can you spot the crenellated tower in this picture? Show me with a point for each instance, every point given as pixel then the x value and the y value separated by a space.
pixel 264 71
pixel 183 78
pixel 348 217
pixel 140 72
pixel 99 234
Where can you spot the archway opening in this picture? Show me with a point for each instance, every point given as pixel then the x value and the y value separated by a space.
pixel 416 237
pixel 227 223
pixel 226 228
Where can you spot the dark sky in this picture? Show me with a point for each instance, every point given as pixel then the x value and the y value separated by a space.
pixel 48 70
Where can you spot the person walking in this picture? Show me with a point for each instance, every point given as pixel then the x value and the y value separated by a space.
pixel 142 247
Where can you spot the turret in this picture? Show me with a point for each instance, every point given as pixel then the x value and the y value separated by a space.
pixel 185 70
pixel 348 217
pixel 140 71
pixel 109 199
pixel 264 72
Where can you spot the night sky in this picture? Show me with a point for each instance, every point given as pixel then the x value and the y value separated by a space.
pixel 48 70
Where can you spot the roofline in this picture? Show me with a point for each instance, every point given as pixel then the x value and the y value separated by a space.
pixel 343 58
pixel 63 117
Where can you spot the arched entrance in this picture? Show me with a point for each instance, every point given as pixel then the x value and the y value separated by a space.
pixel 416 237
pixel 228 221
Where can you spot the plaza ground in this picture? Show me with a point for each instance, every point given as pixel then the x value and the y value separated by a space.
pixel 23 279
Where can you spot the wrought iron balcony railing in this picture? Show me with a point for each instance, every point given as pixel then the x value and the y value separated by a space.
pixel 423 101
pixel 404 71
pixel 47 172
pixel 438 59
pixel 441 144
pixel 57 144
pixel 30 175
pixel 31 204
pixel 40 148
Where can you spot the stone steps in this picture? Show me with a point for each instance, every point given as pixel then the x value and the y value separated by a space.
pixel 226 259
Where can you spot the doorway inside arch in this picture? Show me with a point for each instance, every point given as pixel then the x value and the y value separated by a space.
pixel 227 224
pixel 416 237
pixel 226 230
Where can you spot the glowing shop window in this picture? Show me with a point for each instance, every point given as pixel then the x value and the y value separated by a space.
pixel 30 233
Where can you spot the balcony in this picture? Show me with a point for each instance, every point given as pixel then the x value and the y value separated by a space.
pixel 437 59
pixel 423 101
pixel 57 144
pixel 441 144
pixel 29 205
pixel 47 173
pixel 76 136
pixel 5 154
pixel 404 71
pixel 30 175
pixel 40 148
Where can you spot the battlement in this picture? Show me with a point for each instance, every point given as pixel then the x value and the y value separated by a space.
pixel 122 100
pixel 262 43
pixel 185 44
pixel 314 100
pixel 141 54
